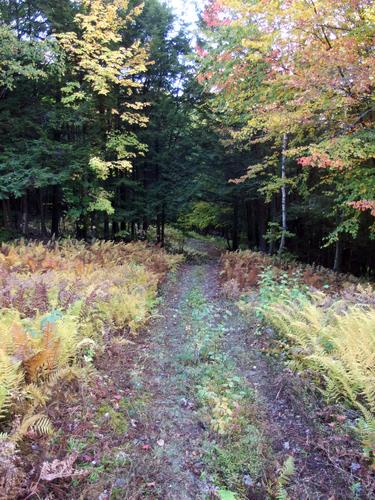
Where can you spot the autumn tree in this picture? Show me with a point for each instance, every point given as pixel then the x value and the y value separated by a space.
pixel 70 113
pixel 299 74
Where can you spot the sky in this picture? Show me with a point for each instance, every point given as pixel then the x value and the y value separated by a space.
pixel 186 10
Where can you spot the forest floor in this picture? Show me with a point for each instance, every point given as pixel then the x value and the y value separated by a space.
pixel 155 422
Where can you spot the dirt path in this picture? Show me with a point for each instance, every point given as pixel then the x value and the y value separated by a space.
pixel 167 459
pixel 171 427
pixel 199 410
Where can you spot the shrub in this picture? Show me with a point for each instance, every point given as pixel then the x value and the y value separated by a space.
pixel 242 271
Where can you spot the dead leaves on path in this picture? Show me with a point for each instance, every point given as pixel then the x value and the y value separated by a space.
pixel 60 469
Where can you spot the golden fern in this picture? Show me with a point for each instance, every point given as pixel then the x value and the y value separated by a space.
pixel 43 426
pixel 67 373
pixel 40 394
pixel 86 288
pixel 37 423
pixel 36 394
pixel 339 346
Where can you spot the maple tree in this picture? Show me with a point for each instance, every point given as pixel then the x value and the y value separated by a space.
pixel 305 69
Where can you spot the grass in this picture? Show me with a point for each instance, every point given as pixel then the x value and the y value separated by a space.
pixel 235 447
pixel 116 418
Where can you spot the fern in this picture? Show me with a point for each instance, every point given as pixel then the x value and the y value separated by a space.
pixel 10 381
pixel 366 431
pixel 57 301
pixel 37 423
pixel 286 473
pixel 43 426
pixel 67 373
pixel 35 394
pixel 340 347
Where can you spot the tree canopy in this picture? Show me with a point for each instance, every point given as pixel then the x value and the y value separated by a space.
pixel 112 121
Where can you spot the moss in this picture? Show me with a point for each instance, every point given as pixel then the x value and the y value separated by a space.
pixel 116 419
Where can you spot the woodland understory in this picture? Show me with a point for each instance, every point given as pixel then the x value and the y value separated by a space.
pixel 223 387
pixel 187 250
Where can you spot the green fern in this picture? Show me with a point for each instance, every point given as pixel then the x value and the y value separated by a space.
pixel 339 347
pixel 366 430
pixel 10 380
pixel 286 473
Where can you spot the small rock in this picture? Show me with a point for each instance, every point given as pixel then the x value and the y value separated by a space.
pixel 247 481
pixel 122 456
pixel 120 483
pixel 269 331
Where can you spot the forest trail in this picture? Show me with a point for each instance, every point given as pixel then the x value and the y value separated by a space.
pixel 172 427
pixel 199 342
pixel 174 433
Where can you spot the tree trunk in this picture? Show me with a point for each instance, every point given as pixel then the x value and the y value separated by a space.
pixel 249 223
pixel 25 214
pixel 158 229
pixel 262 221
pixel 227 239
pixel 43 227
pixel 82 228
pixel 235 238
pixel 162 226
pixel 106 227
pixel 273 219
pixel 7 219
pixel 284 226
pixel 55 220
pixel 338 255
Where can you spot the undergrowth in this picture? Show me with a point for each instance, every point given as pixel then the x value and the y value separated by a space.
pixel 330 338
pixel 242 271
pixel 59 304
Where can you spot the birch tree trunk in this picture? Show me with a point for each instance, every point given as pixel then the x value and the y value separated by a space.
pixel 284 221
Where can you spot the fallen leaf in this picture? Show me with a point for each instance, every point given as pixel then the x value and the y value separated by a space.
pixel 58 469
